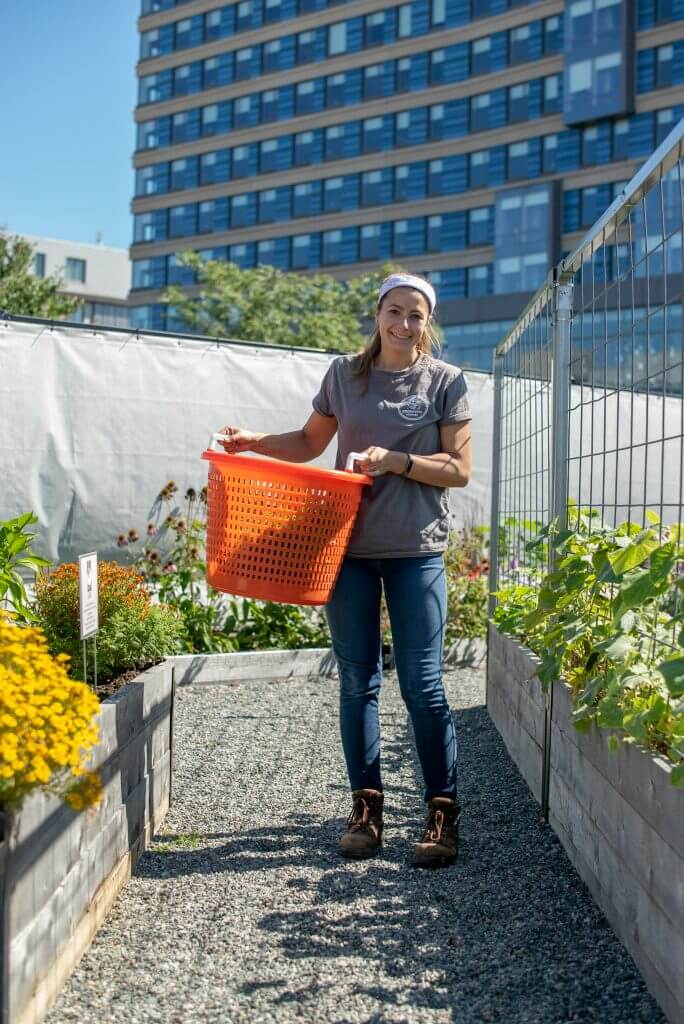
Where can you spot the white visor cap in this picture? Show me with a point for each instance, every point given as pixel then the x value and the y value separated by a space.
pixel 409 281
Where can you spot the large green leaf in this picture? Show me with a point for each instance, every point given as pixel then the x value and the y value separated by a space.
pixel 636 554
pixel 618 648
pixel 672 669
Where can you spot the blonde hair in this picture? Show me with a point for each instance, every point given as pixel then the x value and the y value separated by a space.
pixel 430 339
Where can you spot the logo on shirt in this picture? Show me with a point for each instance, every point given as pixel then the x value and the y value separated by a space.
pixel 413 408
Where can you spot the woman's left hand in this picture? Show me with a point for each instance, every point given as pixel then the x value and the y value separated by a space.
pixel 378 461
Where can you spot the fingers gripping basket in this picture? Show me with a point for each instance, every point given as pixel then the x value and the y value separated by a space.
pixel 277 530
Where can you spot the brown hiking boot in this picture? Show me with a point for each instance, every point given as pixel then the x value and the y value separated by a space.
pixel 364 825
pixel 439 845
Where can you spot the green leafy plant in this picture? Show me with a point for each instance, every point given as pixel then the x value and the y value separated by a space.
pixel 133 632
pixel 16 554
pixel 599 621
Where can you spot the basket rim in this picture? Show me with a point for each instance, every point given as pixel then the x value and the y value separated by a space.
pixel 297 469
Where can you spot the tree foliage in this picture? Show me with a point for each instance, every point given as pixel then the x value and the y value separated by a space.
pixel 24 294
pixel 268 305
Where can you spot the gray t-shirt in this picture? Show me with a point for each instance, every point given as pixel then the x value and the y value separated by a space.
pixel 401 410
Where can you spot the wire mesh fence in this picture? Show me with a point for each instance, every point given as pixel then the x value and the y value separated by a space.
pixel 589 382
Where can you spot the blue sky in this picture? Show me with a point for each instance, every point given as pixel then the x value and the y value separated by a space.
pixel 67 88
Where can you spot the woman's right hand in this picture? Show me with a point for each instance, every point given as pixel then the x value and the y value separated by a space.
pixel 239 440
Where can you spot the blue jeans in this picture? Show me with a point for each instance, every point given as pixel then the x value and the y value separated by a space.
pixel 415 591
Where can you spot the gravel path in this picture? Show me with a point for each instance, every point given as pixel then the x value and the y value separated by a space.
pixel 243 912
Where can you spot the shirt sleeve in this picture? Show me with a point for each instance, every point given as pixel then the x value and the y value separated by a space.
pixel 322 402
pixel 456 404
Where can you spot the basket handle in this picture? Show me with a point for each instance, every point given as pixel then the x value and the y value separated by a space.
pixel 352 459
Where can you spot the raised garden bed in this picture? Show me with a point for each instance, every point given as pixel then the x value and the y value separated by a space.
pixel 618 817
pixel 64 870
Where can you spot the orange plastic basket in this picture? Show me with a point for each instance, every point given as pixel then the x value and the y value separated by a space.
pixel 278 530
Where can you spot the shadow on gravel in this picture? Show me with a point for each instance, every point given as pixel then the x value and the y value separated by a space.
pixel 507 934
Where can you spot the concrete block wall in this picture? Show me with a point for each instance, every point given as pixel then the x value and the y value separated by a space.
pixel 63 869
pixel 618 817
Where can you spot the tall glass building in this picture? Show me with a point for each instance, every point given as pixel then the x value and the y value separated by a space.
pixel 469 140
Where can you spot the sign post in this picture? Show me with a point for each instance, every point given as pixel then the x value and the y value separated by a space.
pixel 89 606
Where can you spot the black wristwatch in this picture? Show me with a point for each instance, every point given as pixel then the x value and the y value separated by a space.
pixel 409 465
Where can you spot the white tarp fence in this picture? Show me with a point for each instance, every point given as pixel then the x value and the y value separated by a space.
pixel 93 423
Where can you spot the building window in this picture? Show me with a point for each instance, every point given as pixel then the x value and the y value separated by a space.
pixel 306 251
pixel 337 38
pixel 75 270
pixel 376 242
pixel 480 280
pixel 39 264
pixel 306 200
pixel 409 182
pixel 409 237
pixel 481 226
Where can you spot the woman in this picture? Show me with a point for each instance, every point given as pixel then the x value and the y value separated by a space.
pixel 408 414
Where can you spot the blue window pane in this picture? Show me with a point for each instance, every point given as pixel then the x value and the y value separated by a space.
pixel 646 70
pixel 449 120
pixel 279 102
pixel 550 154
pixel 307 199
pixel 480 280
pixel 449 284
pixel 487 167
pixel 274 253
pixel 457 12
pixel 525 101
pixel 482 8
pixel 218 71
pixel 275 154
pixel 156 42
pixel 526 42
pixel 184 173
pixel 151 226
pixel 633 136
pixel 155 88
pixel 646 13
pixel 150 181
pixel 189 32
pixel 341 193
pixel 187 78
pixel 596 144
pixel 341 246
pixel 553 35
pixel 488 110
pixel 452 64
pixel 375 242
pixel 176 273
pixel 311 5
pixel 243 210
pixel 409 237
pixel 378 80
pixel 380 28
pixel 279 54
pixel 446 232
pixel 376 187
pixel 568 151
pixel 149 273
pixel 215 167
pixel 410 182
pixel 274 205
pixel 481 226
pixel 420 17
pixel 344 89
pixel 411 127
pixel 413 72
pixel 279 10
pixel 342 141
pixel 354 35
pixel 247 63
pixel 594 202
pixel 572 209
pixel 489 53
pixel 219 24
pixel 312 45
pixel 246 111
pixel 306 251
pixel 148 318
pixel 212 215
pixel 243 255
pixel 553 94
pixel 310 96
pixel 245 160
pixel 308 148
pixel 377 134
pixel 183 220
pixel 524 159
pixel 249 14
pixel 154 134
pixel 185 126
pixel 448 175
pixel 216 118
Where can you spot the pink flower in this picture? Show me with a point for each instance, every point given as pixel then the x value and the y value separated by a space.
pixel 151 529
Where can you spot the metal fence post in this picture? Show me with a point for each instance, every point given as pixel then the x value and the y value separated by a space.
pixel 560 433
pixel 494 514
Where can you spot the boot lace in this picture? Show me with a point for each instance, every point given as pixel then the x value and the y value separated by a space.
pixel 358 819
pixel 434 825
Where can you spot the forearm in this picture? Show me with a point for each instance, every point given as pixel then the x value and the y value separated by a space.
pixel 443 469
pixel 293 447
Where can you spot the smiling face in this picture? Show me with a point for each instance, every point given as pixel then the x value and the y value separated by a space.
pixel 402 318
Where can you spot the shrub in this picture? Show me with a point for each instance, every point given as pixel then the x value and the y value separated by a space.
pixel 47 722
pixel 466 571
pixel 133 633
pixel 16 554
